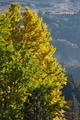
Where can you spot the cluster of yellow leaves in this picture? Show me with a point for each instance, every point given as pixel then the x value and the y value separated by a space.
pixel 37 38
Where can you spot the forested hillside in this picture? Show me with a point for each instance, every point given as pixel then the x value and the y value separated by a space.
pixel 65 29
pixel 72 92
pixel 56 6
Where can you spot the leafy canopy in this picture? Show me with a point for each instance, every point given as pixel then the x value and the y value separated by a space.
pixel 27 43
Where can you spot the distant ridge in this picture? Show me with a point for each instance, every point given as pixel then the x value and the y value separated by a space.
pixel 56 6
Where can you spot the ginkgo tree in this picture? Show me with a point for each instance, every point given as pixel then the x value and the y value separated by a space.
pixel 44 100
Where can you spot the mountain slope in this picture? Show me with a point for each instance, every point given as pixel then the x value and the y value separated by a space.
pixel 45 5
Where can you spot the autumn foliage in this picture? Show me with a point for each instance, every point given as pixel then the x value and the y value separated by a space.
pixel 31 79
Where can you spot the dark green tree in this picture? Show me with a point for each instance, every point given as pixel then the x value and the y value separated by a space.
pixel 73 113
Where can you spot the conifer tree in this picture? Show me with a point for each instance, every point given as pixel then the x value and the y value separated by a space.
pixel 73 113
pixel 37 40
